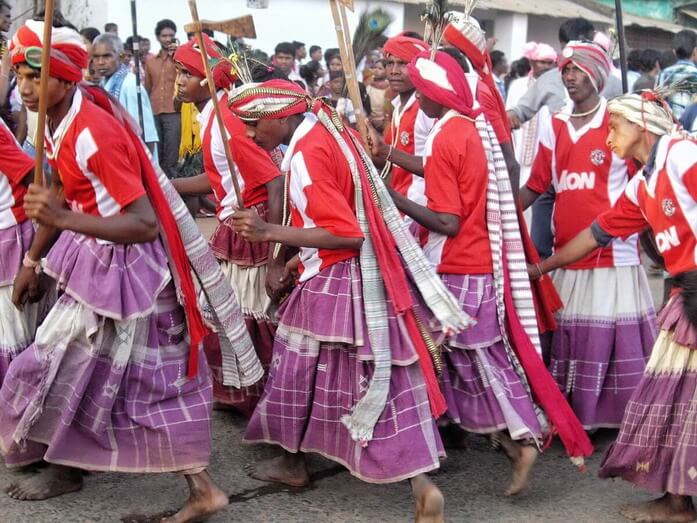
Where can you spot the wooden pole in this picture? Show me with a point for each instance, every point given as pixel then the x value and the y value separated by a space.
pixel 43 95
pixel 136 61
pixel 620 41
pixel 348 62
pixel 214 99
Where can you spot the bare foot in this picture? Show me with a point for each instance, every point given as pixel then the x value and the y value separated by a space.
pixel 204 500
pixel 430 504
pixel 669 509
pixel 53 481
pixel 289 469
pixel 522 458
pixel 453 436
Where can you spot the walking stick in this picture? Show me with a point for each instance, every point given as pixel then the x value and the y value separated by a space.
pixel 136 60
pixel 346 50
pixel 196 26
pixel 43 95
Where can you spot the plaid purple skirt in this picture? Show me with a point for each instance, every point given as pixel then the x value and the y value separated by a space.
pixel 657 445
pixel 226 244
pixel 606 331
pixel 318 374
pixel 106 394
pixel 483 391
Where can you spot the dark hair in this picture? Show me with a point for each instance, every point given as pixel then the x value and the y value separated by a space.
pixel 262 73
pixel 5 5
pixel 285 48
pixel 333 75
pixel 110 26
pixel 684 44
pixel 412 34
pixel 58 19
pixel 314 48
pixel 667 58
pixel 381 61
pixel 648 60
pixel 521 67
pixel 308 72
pixel 634 59
pixel 380 41
pixel 297 44
pixel 207 32
pixel 163 24
pixel 458 56
pixel 496 57
pixel 331 53
pixel 90 33
pixel 576 29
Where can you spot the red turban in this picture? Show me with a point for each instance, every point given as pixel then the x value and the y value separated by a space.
pixel 269 100
pixel 68 54
pixel 404 47
pixel 443 81
pixel 189 55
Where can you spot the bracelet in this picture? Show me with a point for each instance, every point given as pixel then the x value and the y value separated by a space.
pixel 539 270
pixel 31 264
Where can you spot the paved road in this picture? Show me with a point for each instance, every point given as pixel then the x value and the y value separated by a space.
pixel 472 480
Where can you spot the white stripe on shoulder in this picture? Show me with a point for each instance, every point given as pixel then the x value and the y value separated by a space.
pixel 85 148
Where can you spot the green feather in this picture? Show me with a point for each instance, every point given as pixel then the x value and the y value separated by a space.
pixel 371 25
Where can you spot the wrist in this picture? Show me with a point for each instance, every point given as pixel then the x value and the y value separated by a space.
pixel 62 220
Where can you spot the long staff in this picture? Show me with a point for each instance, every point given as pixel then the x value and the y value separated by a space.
pixel 214 98
pixel 620 41
pixel 43 95
pixel 136 61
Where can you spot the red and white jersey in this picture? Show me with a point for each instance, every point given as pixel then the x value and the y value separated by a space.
pixel 667 202
pixel 587 177
pixel 253 166
pixel 408 133
pixel 95 160
pixel 456 174
pixel 322 193
pixel 15 164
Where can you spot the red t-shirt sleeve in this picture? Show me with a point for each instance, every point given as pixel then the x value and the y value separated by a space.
pixel 326 204
pixel 116 165
pixel 440 173
pixel 625 218
pixel 14 162
pixel 541 171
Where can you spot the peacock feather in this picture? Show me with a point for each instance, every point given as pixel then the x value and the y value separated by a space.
pixel 436 17
pixel 371 26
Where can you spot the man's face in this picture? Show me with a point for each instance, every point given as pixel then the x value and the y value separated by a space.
pixel 284 62
pixel 144 46
pixel 5 19
pixel 624 136
pixel 301 53
pixel 538 67
pixel 268 134
pixel 397 75
pixel 104 59
pixel 335 64
pixel 379 72
pixel 167 40
pixel 28 86
pixel 337 85
pixel 317 55
pixel 189 88
pixel 502 67
pixel 428 106
pixel 577 83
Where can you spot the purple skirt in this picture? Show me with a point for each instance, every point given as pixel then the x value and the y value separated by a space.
pixel 657 445
pixel 483 391
pixel 318 374
pixel 226 244
pixel 104 394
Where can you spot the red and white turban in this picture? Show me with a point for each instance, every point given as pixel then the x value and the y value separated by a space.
pixel 465 34
pixel 404 47
pixel 68 54
pixel 189 56
pixel 443 81
pixel 269 100
pixel 589 58
pixel 539 52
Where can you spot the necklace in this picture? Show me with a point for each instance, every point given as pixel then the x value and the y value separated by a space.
pixel 591 111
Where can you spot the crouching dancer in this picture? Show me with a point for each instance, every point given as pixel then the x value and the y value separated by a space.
pixel 351 376
pixel 657 444
pixel 114 380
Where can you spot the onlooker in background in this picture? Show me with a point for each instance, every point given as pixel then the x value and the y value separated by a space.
pixel 684 44
pixel 666 59
pixel 650 67
pixel 112 28
pixel 315 53
pixel 376 91
pixel 300 52
pixel 633 68
pixel 341 102
pixel 5 23
pixel 284 59
pixel 145 53
pixel 519 69
pixel 160 77
pixel 120 82
pixel 88 35
pixel 311 72
pixel 499 69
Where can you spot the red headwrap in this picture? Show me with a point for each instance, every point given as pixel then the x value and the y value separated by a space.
pixel 274 99
pixel 443 81
pixel 68 54
pixel 189 55
pixel 404 47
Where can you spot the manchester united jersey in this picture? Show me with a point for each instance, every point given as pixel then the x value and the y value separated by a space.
pixel 15 164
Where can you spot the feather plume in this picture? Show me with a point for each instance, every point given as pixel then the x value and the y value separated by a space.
pixel 371 26
pixel 436 17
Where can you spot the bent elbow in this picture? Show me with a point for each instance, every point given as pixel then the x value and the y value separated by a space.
pixel 150 232
pixel 357 243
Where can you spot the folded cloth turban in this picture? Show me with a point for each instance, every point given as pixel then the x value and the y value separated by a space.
pixel 404 47
pixel 590 58
pixel 189 56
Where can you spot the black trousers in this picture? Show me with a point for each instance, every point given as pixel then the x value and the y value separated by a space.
pixel 169 126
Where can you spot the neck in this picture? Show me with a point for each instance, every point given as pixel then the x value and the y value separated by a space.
pixel 56 113
pixel 201 104
pixel 293 123
pixel 643 149
pixel 587 104
pixel 404 97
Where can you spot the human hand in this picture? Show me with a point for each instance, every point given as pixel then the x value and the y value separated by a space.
pixel 43 206
pixel 25 287
pixel 250 226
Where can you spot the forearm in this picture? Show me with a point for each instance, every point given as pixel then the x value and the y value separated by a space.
pixel 441 223
pixel 316 237
pixel 412 163
pixel 122 228
pixel 527 197
pixel 275 190
pixel 513 168
pixel 44 238
pixel 193 185
pixel 579 247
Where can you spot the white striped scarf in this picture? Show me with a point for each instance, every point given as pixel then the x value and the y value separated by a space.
pixel 437 298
